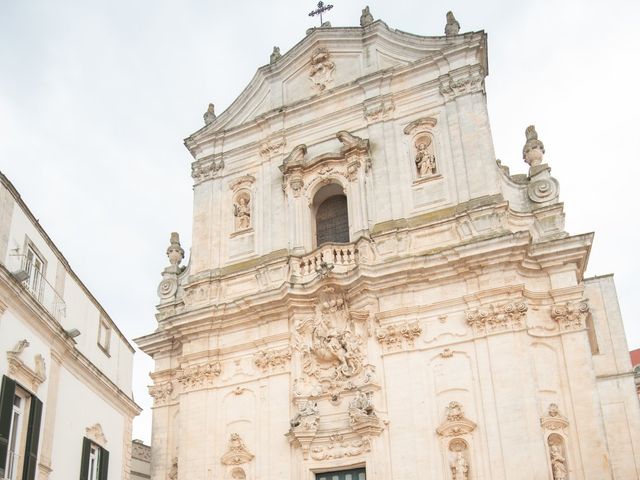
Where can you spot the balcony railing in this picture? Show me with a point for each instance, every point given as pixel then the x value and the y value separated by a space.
pixel 339 258
pixel 36 284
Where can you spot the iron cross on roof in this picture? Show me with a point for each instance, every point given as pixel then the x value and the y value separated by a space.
pixel 321 8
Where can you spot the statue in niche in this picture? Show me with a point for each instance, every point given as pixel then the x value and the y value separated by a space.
pixel 533 150
pixel 210 115
pixel 558 462
pixel 366 18
pixel 459 467
pixel 308 415
pixel 242 212
pixel 452 27
pixel 425 159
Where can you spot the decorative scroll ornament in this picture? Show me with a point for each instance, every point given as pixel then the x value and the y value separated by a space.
pixel 455 423
pixel 202 170
pixel 169 284
pixel 570 316
pixel 237 453
pixel 332 341
pixel 196 376
pixel 340 448
pixel 400 335
pixel 96 435
pixel 21 372
pixel 452 27
pixel 321 69
pixel 161 392
pixel 543 190
pixel 497 318
pixel 553 420
pixel 272 359
pixel 355 151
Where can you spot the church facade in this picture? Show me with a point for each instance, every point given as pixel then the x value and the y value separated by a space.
pixel 370 294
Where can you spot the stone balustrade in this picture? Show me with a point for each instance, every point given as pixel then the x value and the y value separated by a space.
pixel 338 258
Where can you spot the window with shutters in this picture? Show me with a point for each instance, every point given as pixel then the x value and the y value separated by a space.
pixel 353 474
pixel 104 336
pixel 331 215
pixel 94 464
pixel 20 415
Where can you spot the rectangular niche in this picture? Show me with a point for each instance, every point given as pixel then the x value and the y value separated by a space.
pixel 241 244
pixel 429 194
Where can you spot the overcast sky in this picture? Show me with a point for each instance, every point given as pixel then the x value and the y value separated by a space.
pixel 96 97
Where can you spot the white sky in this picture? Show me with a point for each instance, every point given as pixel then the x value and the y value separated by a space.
pixel 96 97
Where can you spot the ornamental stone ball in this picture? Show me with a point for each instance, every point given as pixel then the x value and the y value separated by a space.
pixel 210 115
pixel 533 150
pixel 366 18
pixel 452 27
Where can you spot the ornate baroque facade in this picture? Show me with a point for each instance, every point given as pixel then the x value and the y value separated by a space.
pixel 452 336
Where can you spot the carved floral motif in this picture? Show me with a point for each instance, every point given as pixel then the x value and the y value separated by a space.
pixel 570 315
pixel 161 392
pixel 340 448
pixel 399 335
pixel 195 376
pixel 497 318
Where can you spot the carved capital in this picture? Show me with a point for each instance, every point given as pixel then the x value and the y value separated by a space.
pixel 399 335
pixel 570 315
pixel 193 377
pixel 462 83
pixel 375 112
pixel 273 359
pixel 496 318
pixel 206 169
pixel 161 392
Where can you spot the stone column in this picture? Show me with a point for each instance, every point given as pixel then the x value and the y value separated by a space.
pixel 44 465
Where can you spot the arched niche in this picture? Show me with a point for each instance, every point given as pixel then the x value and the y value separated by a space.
pixel 330 215
pixel 558 456
pixel 459 459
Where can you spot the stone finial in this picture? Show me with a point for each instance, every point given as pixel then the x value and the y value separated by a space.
pixel 533 150
pixel 175 252
pixel 210 115
pixel 366 18
pixel 452 27
pixel 275 55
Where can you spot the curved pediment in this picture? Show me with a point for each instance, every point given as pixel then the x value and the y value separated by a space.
pixel 325 60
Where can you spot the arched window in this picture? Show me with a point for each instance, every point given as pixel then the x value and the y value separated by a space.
pixel 332 218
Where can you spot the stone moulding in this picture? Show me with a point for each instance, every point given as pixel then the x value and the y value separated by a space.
pixel 455 423
pixel 21 372
pixel 553 420
pixel 96 435
pixel 497 317
pixel 570 315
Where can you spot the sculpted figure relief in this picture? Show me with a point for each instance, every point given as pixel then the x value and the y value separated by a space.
pixel 242 212
pixel 361 408
pixel 425 159
pixel 558 461
pixel 308 415
pixel 459 467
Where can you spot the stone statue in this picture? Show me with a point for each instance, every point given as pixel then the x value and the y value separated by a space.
pixel 366 18
pixel 533 150
pixel 40 366
pixel 175 252
pixel 275 55
pixel 558 462
pixel 425 160
pixel 242 212
pixel 210 115
pixel 307 416
pixel 452 27
pixel 460 468
pixel 361 407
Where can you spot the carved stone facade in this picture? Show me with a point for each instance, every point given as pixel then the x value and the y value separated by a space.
pixel 438 334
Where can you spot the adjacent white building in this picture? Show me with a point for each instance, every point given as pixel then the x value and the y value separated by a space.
pixel 66 404
pixel 370 294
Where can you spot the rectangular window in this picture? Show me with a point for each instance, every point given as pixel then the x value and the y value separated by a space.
pixel 104 336
pixel 34 266
pixel 353 474
pixel 95 461
pixel 20 415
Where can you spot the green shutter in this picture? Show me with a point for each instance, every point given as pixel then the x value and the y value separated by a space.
pixel 84 462
pixel 7 393
pixel 104 464
pixel 33 438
